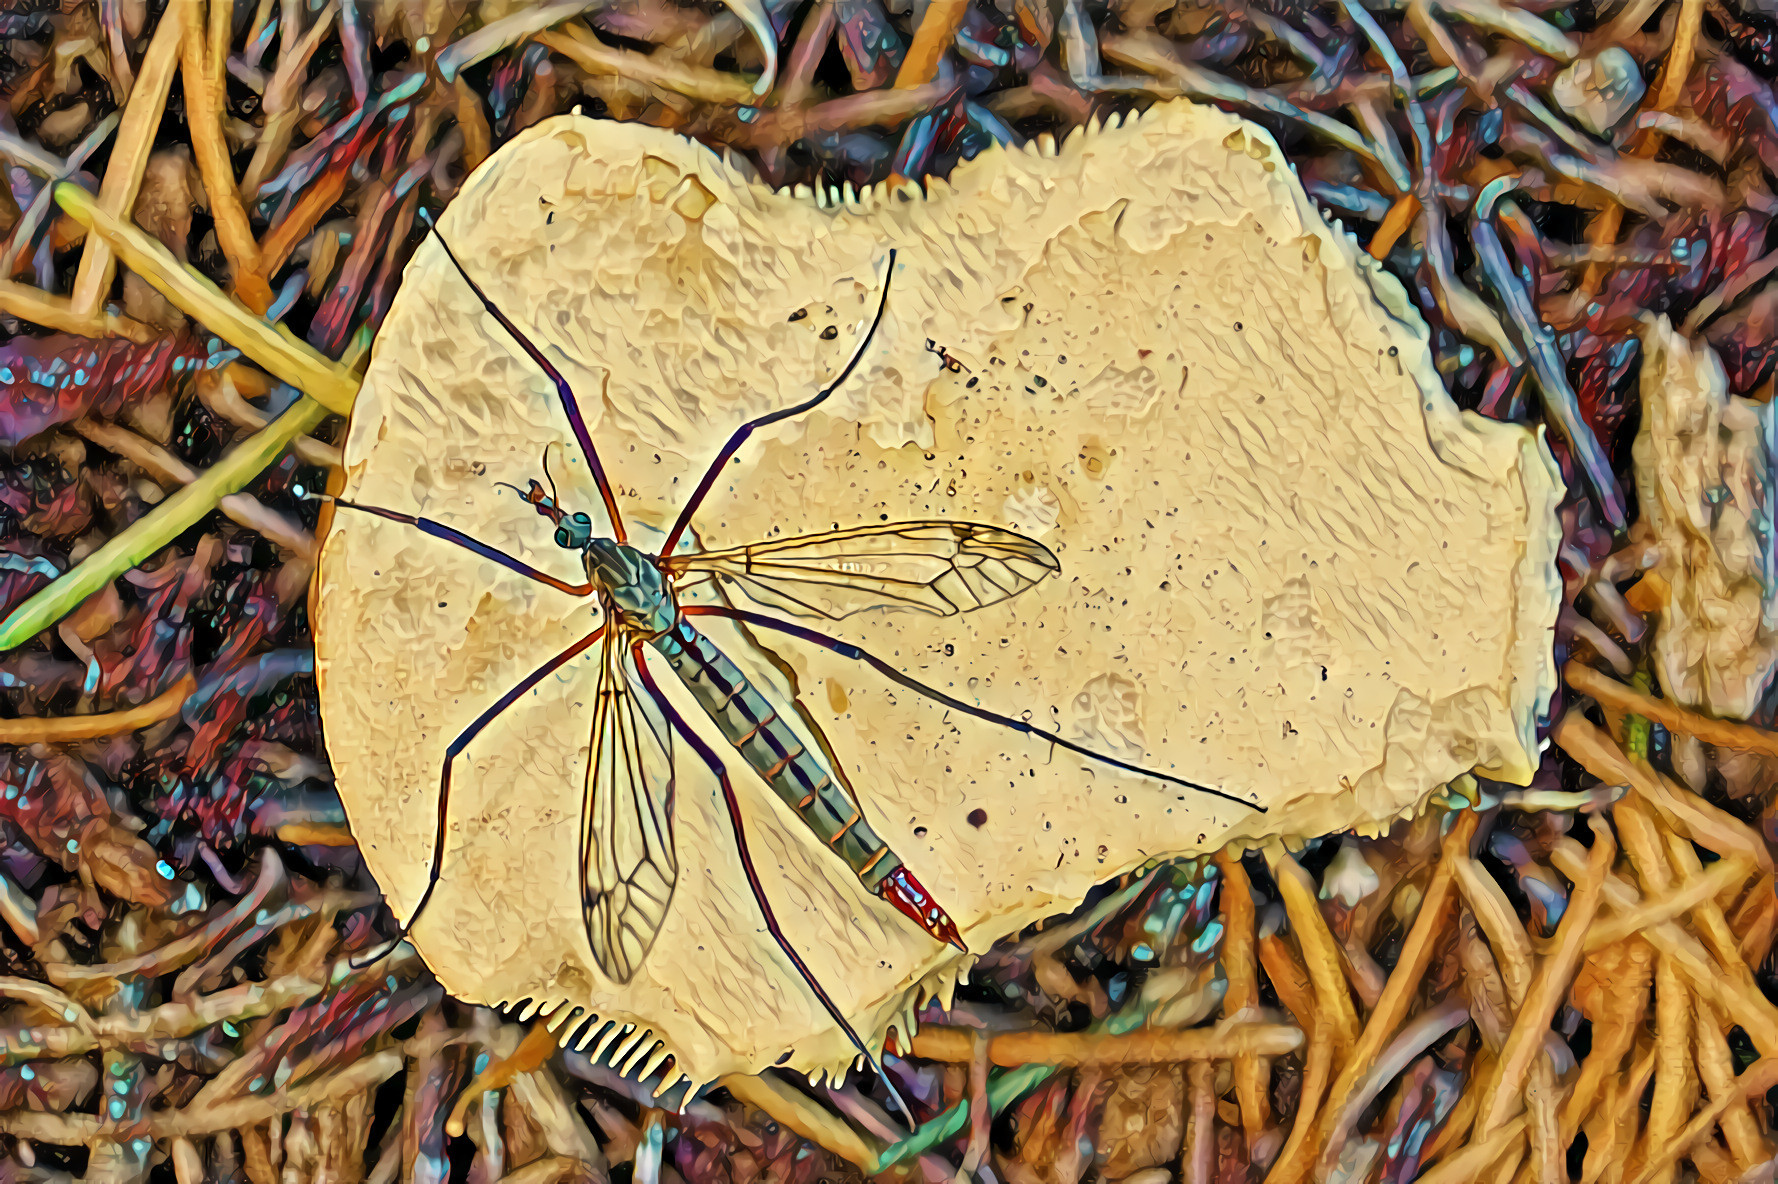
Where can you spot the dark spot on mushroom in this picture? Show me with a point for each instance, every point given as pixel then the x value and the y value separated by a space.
pixel 829 333
pixel 978 817
pixel 799 314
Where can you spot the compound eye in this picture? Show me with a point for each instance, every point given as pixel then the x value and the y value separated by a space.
pixel 564 539
pixel 583 520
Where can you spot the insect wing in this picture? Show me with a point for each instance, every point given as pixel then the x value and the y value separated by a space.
pixel 628 865
pixel 935 566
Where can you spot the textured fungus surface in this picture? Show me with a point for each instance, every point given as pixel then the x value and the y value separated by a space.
pixel 1289 566
pixel 1704 474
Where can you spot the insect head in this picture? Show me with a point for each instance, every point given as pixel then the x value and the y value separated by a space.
pixel 573 531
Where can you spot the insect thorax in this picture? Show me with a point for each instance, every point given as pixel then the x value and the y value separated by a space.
pixel 632 585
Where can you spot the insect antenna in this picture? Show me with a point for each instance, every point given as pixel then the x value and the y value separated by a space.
pixel 570 406
pixel 710 759
pixel 747 429
pixel 554 494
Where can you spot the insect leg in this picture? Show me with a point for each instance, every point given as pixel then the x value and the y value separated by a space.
pixel 453 752
pixel 745 430
pixel 708 755
pixel 439 530
pixel 570 406
pixel 847 650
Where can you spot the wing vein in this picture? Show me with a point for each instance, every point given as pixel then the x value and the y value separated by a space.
pixel 932 565
pixel 628 862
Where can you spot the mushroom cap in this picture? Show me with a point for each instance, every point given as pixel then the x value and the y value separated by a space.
pixel 1290 567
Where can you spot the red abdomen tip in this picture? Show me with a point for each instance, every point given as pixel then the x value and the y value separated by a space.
pixel 907 894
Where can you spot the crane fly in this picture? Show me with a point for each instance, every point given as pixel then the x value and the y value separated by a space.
pixel 628 866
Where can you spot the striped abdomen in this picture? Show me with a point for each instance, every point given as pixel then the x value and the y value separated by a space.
pixel 768 744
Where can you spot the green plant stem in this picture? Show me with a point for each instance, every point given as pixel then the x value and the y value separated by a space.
pixel 1003 1090
pixel 162 525
pixel 273 347
pixel 1636 727
pixel 1007 1086
pixel 327 386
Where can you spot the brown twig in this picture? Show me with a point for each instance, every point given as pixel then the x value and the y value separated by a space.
pixel 938 28
pixel 1720 732
pixel 1735 990
pixel 555 1169
pixel 1436 910
pixel 77 1129
pixel 811 43
pixel 1450 1137
pixel 1698 819
pixel 269 881
pixel 1242 995
pixel 1761 1076
pixel 1707 914
pixel 1342 1111
pixel 315 834
pixel 577 44
pixel 204 98
pixel 876 108
pixel 1550 984
pixel 1321 953
pixel 981 1117
pixel 1611 1129
pixel 1629 969
pixel 129 157
pixel 1489 1004
pixel 144 1031
pixel 1758 932
pixel 1155 55
pixel 798 1113
pixel 477 136
pixel 1395 223
pixel 57 312
pixel 1289 980
pixel 538 1046
pixel 1676 1085
pixel 1676 66
pixel 66 729
pixel 1148 1046
pixel 220 391
pixel 1294 1160
pixel 1655 909
pixel 287 235
pixel 295 49
pixel 1468 1164
pixel 1716 1066
pixel 168 469
pixel 1198 1146
pixel 1494 913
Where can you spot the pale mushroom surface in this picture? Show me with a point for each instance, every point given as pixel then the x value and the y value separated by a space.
pixel 1290 567
pixel 1705 482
